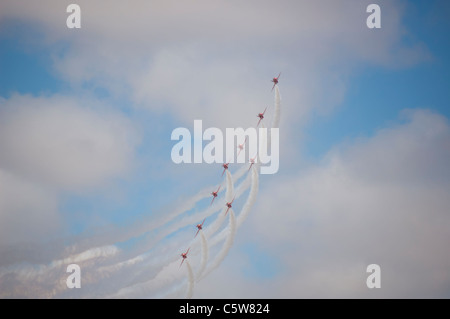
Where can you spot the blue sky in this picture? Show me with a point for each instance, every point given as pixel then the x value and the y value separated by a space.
pixel 376 95
pixel 340 97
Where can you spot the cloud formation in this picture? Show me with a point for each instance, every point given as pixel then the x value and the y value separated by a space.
pixel 52 145
pixel 214 54
pixel 64 143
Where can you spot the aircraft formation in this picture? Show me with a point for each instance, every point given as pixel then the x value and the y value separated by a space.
pixel 225 167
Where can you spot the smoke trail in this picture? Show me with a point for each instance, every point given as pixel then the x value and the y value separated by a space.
pixel 246 208
pixel 146 226
pixel 226 246
pixel 230 231
pixel 251 197
pixel 155 244
pixel 141 249
pixel 161 258
pixel 205 252
pixel 190 289
pixel 157 260
pixel 228 197
pixel 166 222
pixel 277 113
pixel 190 203
pixel 230 187
pixel 210 210
pixel 276 117
pixel 29 271
pixel 219 220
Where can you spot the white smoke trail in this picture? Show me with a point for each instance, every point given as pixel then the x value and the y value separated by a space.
pixel 276 117
pixel 231 230
pixel 28 271
pixel 230 187
pixel 251 197
pixel 158 260
pixel 245 209
pixel 153 257
pixel 277 112
pixel 171 228
pixel 143 227
pixel 188 220
pixel 226 246
pixel 205 253
pixel 254 184
pixel 205 246
pixel 158 233
pixel 228 197
pixel 190 203
pixel 190 289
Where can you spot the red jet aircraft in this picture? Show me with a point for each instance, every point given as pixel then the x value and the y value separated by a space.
pixel 214 195
pixel 261 116
pixel 241 146
pixel 184 255
pixel 225 167
pixel 229 206
pixel 199 226
pixel 275 81
pixel 252 161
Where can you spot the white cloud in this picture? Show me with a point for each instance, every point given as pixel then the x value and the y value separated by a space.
pixel 28 211
pixel 214 59
pixel 51 146
pixel 64 144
